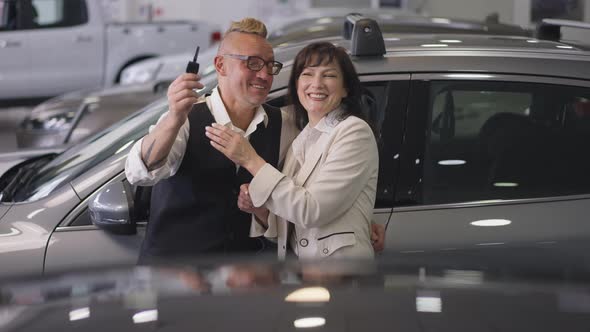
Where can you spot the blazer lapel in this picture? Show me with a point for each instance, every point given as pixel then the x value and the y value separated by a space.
pixel 311 160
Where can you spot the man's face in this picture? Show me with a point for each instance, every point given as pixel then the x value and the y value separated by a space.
pixel 239 85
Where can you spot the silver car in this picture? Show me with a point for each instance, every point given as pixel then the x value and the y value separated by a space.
pixel 70 118
pixel 482 139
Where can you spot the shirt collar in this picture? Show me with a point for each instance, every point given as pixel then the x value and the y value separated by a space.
pixel 329 121
pixel 221 116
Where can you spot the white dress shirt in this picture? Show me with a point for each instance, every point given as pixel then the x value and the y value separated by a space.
pixel 138 174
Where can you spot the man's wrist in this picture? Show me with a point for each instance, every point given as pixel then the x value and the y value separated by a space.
pixel 260 222
pixel 175 120
pixel 261 217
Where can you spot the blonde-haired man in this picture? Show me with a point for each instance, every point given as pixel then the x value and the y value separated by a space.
pixel 193 208
pixel 248 25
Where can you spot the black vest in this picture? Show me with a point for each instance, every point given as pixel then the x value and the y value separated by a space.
pixel 195 211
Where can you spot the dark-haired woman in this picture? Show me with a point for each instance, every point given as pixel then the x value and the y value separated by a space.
pixel 320 205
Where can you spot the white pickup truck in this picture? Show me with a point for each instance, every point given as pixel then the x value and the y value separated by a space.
pixel 48 47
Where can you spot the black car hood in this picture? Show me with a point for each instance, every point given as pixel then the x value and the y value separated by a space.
pixel 395 293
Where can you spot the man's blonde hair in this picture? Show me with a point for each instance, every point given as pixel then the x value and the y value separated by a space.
pixel 248 25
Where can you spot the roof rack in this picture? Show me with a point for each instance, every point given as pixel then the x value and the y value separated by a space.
pixel 365 35
pixel 550 29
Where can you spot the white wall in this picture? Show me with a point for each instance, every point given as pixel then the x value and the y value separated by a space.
pixel 219 11
pixel 164 9
pixel 222 11
pixel 470 9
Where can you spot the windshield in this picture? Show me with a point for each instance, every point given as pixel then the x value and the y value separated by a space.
pixel 89 153
pixel 81 157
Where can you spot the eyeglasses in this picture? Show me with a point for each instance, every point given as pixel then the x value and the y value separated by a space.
pixel 256 63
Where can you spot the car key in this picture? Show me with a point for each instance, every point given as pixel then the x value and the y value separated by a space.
pixel 193 66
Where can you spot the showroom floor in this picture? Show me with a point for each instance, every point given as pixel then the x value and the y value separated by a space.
pixel 9 120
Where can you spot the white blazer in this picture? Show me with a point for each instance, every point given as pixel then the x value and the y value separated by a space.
pixel 330 201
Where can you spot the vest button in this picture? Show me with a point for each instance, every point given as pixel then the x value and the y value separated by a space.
pixel 326 251
pixel 303 242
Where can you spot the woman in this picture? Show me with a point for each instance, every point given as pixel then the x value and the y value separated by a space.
pixel 321 204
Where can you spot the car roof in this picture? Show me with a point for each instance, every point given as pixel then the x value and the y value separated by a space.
pixel 389 23
pixel 401 20
pixel 420 53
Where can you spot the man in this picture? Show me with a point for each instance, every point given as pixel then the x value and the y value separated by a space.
pixel 193 206
pixel 194 200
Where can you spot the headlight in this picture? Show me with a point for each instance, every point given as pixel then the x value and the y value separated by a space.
pixel 61 121
pixel 57 123
pixel 140 73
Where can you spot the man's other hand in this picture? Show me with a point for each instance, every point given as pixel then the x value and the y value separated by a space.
pixel 378 236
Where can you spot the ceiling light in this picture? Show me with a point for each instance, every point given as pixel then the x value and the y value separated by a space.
pixel 309 294
pixel 316 29
pixel 505 184
pixel 452 162
pixel 468 76
pixel 491 222
pixel 434 45
pixel 145 316
pixel 13 232
pixel 78 314
pixel 441 20
pixel 450 41
pixel 428 303
pixel 309 322
pixel 324 20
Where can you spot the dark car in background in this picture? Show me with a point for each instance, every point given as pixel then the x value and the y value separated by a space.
pixel 482 143
pixel 70 118
pixel 469 292
pixel 74 116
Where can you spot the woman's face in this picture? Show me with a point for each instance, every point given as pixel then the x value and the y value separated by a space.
pixel 320 90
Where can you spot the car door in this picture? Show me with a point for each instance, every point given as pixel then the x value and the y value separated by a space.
pixel 77 243
pixel 492 160
pixel 15 51
pixel 385 99
pixel 67 47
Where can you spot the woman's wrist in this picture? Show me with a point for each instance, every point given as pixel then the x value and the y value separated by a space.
pixel 254 165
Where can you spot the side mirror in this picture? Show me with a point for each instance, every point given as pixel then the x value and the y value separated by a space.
pixel 112 209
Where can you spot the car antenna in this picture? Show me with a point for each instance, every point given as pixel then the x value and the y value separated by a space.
pixel 365 36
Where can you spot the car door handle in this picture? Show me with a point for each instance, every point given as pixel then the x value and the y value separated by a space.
pixel 83 39
pixel 9 43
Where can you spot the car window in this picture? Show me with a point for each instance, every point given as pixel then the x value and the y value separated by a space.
pixel 114 140
pixel 58 13
pixel 500 140
pixel 381 100
pixel 8 15
pixel 83 219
